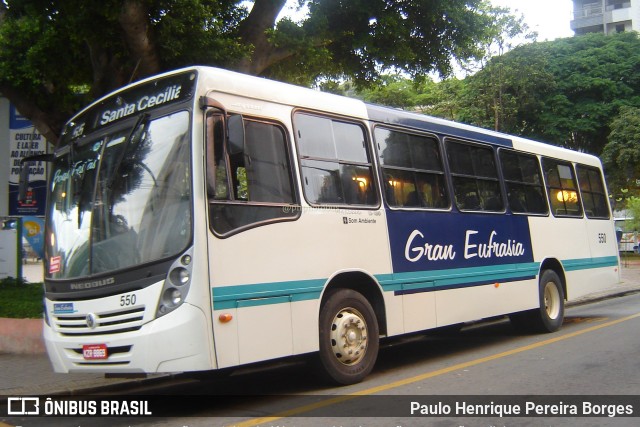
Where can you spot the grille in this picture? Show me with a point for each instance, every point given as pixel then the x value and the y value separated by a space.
pixel 108 322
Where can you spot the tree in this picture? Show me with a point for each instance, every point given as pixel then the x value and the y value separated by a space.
pixel 595 75
pixel 621 155
pixel 507 94
pixel 393 91
pixel 565 92
pixel 633 211
pixel 58 55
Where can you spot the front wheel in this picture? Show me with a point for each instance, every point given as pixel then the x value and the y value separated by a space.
pixel 349 337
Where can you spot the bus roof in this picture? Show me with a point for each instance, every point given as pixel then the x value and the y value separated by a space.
pixel 213 79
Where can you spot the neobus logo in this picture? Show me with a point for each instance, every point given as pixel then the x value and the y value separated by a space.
pixel 93 284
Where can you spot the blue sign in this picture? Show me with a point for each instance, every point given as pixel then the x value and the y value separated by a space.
pixel 25 141
pixel 63 308
pixel 432 250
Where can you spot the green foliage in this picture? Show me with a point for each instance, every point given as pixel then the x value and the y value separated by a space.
pixel 20 300
pixel 507 94
pixel 197 32
pixel 393 91
pixel 621 155
pixel 633 210
pixel 364 38
pixel 57 56
pixel 565 92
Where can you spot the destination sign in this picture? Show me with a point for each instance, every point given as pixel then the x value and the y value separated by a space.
pixel 142 98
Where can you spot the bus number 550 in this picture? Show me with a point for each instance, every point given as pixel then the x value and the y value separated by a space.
pixel 127 300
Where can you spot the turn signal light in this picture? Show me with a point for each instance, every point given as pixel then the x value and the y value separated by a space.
pixel 225 318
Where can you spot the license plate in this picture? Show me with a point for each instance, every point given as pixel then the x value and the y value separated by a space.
pixel 94 352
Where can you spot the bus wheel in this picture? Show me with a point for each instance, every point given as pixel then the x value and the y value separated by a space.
pixel 550 315
pixel 349 337
pixel 551 302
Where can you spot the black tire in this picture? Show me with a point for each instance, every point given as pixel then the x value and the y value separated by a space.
pixel 551 311
pixel 550 315
pixel 349 337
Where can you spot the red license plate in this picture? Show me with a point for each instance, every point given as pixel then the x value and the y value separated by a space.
pixel 94 351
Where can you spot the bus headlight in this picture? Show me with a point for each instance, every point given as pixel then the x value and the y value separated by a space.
pixel 176 285
pixel 179 276
pixel 172 297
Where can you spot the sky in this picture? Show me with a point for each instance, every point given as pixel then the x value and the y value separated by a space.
pixel 550 18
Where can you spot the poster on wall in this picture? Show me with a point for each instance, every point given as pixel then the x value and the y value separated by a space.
pixel 25 140
pixel 33 233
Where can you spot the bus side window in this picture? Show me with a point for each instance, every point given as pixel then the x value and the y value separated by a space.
pixel 335 163
pixel 412 169
pixel 562 188
pixel 250 185
pixel 523 180
pixel 593 193
pixel 475 177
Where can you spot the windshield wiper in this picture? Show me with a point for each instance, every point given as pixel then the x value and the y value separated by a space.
pixel 142 121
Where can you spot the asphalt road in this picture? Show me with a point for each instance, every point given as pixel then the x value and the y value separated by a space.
pixel 593 359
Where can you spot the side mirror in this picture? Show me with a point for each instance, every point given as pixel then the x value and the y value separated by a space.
pixel 235 129
pixel 235 125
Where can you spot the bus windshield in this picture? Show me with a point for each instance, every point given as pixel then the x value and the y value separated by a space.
pixel 120 199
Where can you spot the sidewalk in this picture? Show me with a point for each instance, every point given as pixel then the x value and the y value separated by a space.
pixel 33 375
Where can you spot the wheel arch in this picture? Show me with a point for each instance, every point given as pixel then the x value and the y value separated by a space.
pixel 364 284
pixel 555 265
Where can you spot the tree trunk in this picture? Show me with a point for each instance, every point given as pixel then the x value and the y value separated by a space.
pixel 43 121
pixel 253 31
pixel 134 20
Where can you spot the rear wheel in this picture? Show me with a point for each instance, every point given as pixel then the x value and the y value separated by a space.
pixel 348 332
pixel 551 312
pixel 550 315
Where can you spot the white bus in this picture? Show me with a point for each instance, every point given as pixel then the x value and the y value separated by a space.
pixel 204 219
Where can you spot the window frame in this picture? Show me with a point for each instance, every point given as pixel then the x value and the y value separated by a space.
pixel 542 184
pixel 604 195
pixel 498 179
pixel 289 208
pixel 381 168
pixel 548 186
pixel 368 150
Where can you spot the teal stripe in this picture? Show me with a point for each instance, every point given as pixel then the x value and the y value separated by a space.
pixel 457 276
pixel 262 301
pixel 229 297
pixel 589 263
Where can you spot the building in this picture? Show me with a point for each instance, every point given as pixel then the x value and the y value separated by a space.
pixel 605 16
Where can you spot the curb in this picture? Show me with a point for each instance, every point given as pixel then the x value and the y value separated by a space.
pixel 21 336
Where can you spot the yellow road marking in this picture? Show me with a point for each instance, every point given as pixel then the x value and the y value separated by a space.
pixel 411 380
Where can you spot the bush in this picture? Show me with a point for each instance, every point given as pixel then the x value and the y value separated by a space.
pixel 20 300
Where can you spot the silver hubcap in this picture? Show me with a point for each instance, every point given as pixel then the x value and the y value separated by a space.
pixel 551 300
pixel 349 336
